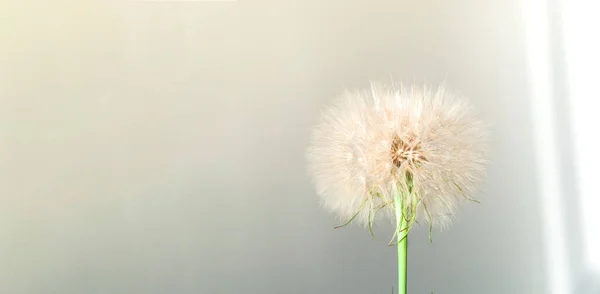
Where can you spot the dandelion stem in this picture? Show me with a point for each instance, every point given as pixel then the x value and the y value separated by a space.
pixel 402 233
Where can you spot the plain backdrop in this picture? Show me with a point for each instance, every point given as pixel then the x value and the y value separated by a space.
pixel 159 147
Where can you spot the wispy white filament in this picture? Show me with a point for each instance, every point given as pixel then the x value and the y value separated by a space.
pixel 369 142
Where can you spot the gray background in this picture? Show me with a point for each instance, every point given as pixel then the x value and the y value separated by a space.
pixel 159 147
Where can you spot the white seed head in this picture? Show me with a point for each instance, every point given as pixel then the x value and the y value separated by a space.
pixel 425 143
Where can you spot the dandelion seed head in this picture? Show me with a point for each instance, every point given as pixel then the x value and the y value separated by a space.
pixel 426 143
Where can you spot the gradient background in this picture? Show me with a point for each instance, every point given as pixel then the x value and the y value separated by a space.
pixel 151 147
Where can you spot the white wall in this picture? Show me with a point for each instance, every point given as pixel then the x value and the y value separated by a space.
pixel 159 147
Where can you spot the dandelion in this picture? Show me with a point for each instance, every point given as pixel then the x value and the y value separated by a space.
pixel 407 155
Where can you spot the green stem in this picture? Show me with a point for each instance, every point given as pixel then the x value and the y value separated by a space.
pixel 402 233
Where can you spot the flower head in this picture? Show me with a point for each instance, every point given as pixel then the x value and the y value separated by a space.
pixel 424 145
